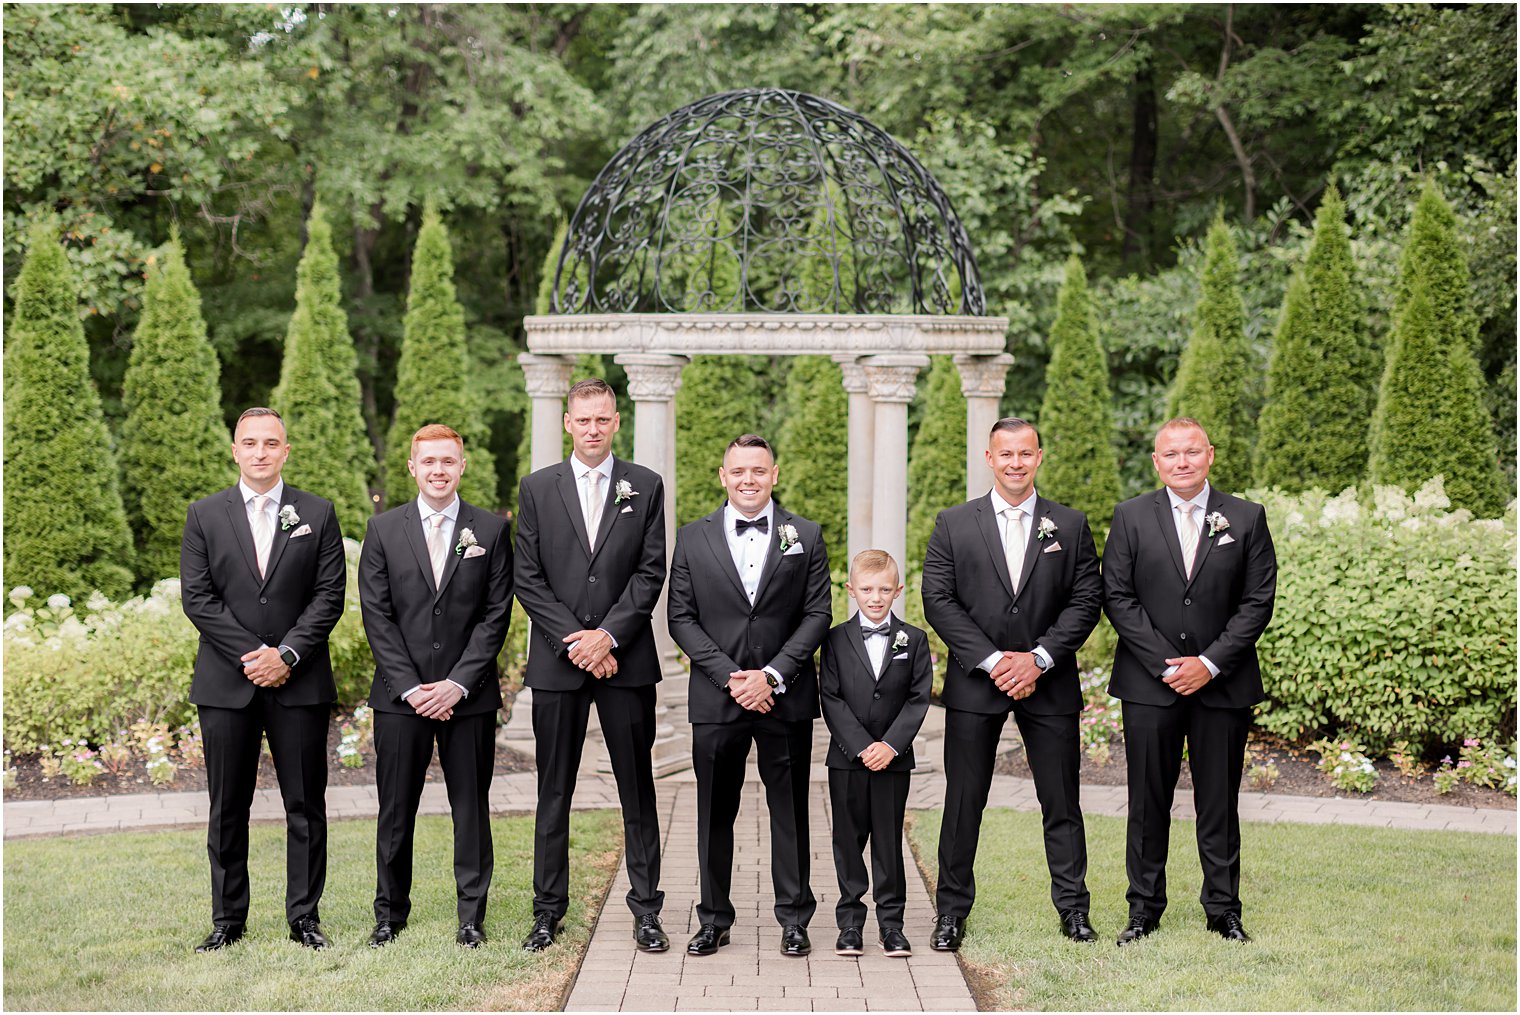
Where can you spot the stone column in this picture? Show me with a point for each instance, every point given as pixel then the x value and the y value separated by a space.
pixel 548 378
pixel 982 381
pixel 891 382
pixel 861 434
pixel 653 379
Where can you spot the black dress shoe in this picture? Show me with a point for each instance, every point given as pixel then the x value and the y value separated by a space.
pixel 1075 926
pixel 385 932
pixel 545 929
pixel 220 937
pixel 648 935
pixel 1139 927
pixel 894 945
pixel 949 931
pixel 470 935
pixel 794 940
pixel 850 942
pixel 1227 926
pixel 707 940
pixel 307 931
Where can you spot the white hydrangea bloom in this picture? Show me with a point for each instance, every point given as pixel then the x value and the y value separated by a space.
pixel 58 601
pixel 1432 496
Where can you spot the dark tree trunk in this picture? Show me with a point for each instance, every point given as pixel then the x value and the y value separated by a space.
pixel 1142 167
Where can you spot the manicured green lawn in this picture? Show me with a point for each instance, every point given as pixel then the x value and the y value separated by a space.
pixel 1343 918
pixel 110 922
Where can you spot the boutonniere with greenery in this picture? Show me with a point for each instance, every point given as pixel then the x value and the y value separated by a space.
pixel 466 540
pixel 789 537
pixel 288 517
pixel 900 642
pixel 624 491
pixel 1047 528
pixel 1216 523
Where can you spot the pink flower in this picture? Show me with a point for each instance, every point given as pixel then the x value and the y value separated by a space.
pixel 1464 764
pixel 1471 742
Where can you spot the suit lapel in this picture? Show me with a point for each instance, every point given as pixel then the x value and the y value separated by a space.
pixel 279 537
pixel 609 509
pixel 717 544
pixel 987 522
pixel 411 522
pixel 773 550
pixel 1205 542
pixel 1031 545
pixel 565 481
pixel 237 514
pixel 858 641
pixel 1163 508
pixel 451 559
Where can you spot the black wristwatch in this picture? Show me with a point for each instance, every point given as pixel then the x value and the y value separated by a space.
pixel 287 656
pixel 770 678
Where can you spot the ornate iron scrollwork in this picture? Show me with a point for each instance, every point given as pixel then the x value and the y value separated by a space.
pixel 766 200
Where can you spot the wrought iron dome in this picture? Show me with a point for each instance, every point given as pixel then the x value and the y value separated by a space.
pixel 766 200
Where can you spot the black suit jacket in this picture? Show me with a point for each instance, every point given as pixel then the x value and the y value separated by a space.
pixel 297 603
pixel 1160 614
pixel 565 587
pixel 860 709
pixel 969 601
pixel 419 634
pixel 712 620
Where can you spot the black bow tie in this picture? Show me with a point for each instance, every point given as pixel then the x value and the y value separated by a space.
pixel 884 629
pixel 761 524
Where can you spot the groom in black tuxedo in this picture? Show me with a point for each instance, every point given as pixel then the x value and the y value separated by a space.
pixel 262 578
pixel 1011 584
pixel 590 566
pixel 1190 578
pixel 435 584
pixel 749 604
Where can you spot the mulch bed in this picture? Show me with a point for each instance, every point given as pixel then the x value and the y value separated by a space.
pixel 1297 776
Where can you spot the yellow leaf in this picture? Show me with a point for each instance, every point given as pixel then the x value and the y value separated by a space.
pixel 312 73
pixel 156 167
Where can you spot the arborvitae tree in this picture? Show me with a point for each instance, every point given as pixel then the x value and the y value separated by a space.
pixel 1433 258
pixel 719 399
pixel 812 447
pixel 1081 467
pixel 174 443
pixel 65 528
pixel 1430 416
pixel 1320 385
pixel 937 461
pixel 543 304
pixel 432 377
pixel 319 388
pixel 1216 368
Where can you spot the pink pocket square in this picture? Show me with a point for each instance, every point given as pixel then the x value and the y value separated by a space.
pixel 1052 548
pixel 474 551
pixel 304 530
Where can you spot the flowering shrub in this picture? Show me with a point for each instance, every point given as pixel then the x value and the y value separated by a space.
pixel 79 764
pixel 355 736
pixel 1406 759
pixel 1102 718
pixel 1478 766
pixel 1346 764
pixel 1263 776
pixel 9 779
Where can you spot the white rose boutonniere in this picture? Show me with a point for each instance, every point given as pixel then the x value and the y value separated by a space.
pixel 900 642
pixel 789 537
pixel 624 491
pixel 466 540
pixel 288 517
pixel 1217 523
pixel 1047 528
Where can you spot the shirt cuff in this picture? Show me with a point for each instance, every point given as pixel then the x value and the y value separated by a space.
pixel 1213 670
pixel 609 636
pixel 991 661
pixel 1044 657
pixel 410 691
pixel 780 687
pixel 463 691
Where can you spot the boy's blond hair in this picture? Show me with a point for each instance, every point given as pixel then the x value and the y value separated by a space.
pixel 872 561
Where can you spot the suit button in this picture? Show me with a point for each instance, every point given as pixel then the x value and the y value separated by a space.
pixel 876 695
pixel 591 579
pixel 1187 602
pixel 263 600
pixel 437 612
pixel 1184 637
pixel 436 645
pixel 1015 609
pixel 588 618
pixel 754 616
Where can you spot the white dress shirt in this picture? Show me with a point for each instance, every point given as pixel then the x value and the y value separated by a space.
pixel 877 647
pixel 1199 505
pixel 272 512
pixel 748 551
pixel 451 513
pixel 1004 509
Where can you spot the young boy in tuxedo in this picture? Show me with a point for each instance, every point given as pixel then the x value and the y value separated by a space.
pixel 875 682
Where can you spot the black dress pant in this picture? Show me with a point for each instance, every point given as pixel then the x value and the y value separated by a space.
pixel 784 754
pixel 559 731
pixel 467 754
pixel 1053 750
pixel 1216 745
pixel 869 806
pixel 298 743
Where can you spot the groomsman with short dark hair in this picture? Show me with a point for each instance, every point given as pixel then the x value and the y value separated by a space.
pixel 1190 578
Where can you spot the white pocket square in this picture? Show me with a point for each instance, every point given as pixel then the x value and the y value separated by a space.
pixel 474 551
pixel 900 655
pixel 304 530
pixel 1226 539
pixel 1052 548
pixel 627 510
pixel 794 548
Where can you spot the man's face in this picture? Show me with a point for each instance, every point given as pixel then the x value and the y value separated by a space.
pixel 748 475
pixel 437 465
pixel 1183 457
pixel 874 592
pixel 1014 457
pixel 260 450
pixel 591 422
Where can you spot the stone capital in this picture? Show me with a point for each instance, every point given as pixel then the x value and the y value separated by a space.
pixel 983 376
pixel 893 378
pixel 546 376
pixel 854 374
pixel 652 377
